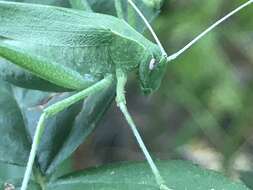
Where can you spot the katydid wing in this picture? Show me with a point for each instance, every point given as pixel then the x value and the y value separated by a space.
pixel 47 52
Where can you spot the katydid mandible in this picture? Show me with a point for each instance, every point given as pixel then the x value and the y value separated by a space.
pixel 118 49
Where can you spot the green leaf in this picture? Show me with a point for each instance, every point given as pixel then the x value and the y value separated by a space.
pixel 57 128
pixel 178 175
pixel 86 121
pixel 60 3
pixel 11 175
pixel 8 171
pixel 14 145
pixel 103 6
pixel 246 177
pixel 16 184
pixel 20 111
pixel 65 131
pixel 80 4
pixel 149 9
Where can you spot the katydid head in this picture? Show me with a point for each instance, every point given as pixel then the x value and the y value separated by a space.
pixel 152 69
pixel 153 66
pixel 151 72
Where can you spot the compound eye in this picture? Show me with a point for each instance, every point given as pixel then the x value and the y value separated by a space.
pixel 152 64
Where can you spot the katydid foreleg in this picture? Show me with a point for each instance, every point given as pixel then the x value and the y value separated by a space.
pixel 51 111
pixel 121 103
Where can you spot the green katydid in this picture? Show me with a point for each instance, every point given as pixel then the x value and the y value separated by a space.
pixel 112 49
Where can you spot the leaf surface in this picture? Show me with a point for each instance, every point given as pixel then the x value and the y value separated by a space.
pixel 150 11
pixel 20 112
pixel 246 177
pixel 87 120
pixel 14 144
pixel 80 4
pixel 16 184
pixel 178 175
pixel 57 128
pixel 66 130
pixel 11 176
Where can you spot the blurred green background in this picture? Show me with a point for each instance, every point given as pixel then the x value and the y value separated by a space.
pixel 203 111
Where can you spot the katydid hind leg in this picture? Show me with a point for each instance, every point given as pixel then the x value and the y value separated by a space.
pixel 121 103
pixel 53 110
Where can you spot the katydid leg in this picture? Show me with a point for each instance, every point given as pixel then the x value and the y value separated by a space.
pixel 121 103
pixel 51 111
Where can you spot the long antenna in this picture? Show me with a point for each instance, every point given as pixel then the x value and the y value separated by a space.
pixel 149 27
pixel 175 55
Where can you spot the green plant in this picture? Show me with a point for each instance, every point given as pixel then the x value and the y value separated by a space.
pixel 104 50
